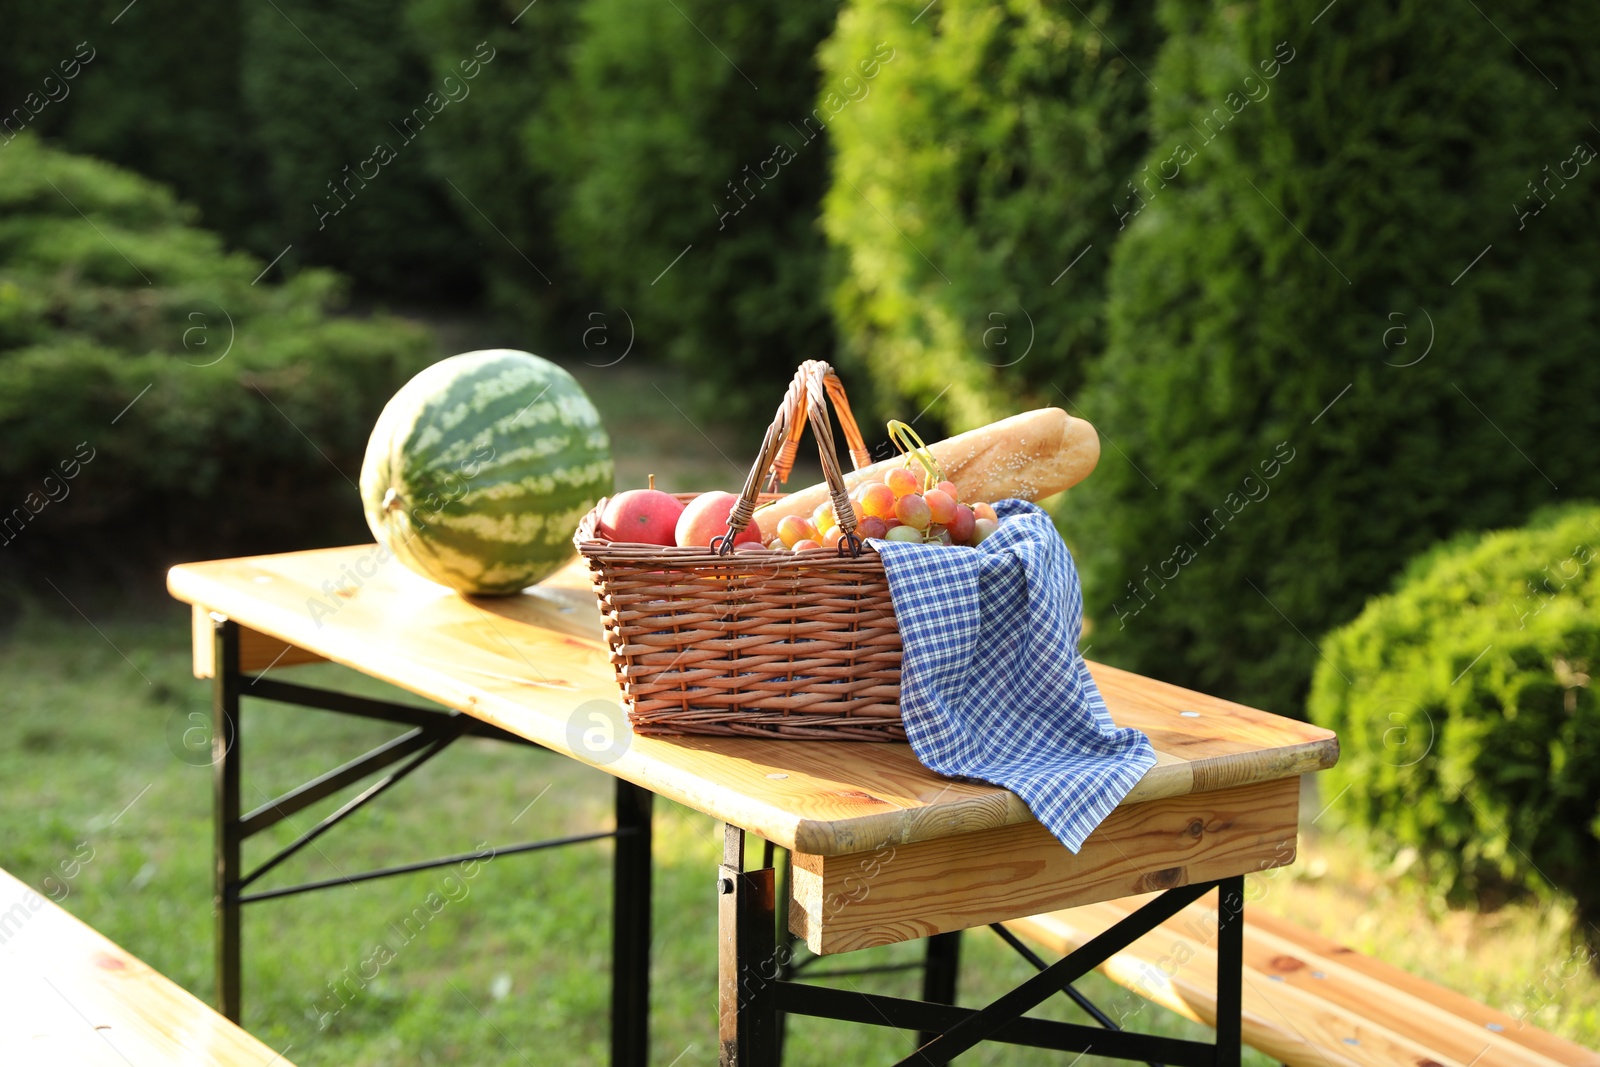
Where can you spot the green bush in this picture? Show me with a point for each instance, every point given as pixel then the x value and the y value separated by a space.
pixel 656 140
pixel 216 413
pixel 984 164
pixel 1468 727
pixel 1293 243
pixel 342 125
pixel 484 151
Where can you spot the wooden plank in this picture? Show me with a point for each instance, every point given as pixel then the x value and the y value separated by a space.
pixel 534 664
pixel 903 892
pixel 1307 1001
pixel 69 995
pixel 1375 973
pixel 1216 742
pixel 257 651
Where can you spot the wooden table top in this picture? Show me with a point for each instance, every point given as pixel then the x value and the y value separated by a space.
pixel 70 995
pixel 527 662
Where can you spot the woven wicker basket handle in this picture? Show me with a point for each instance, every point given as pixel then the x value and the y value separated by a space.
pixel 805 400
pixel 784 463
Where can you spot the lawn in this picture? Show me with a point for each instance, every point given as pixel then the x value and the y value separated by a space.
pixel 96 780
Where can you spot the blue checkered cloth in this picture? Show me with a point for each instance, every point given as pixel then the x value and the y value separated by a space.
pixel 992 685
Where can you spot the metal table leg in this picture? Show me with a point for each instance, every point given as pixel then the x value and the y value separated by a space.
pixel 747 961
pixel 630 928
pixel 755 985
pixel 1230 969
pixel 431 732
pixel 940 974
pixel 225 810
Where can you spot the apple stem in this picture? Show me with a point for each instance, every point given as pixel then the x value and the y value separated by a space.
pixel 652 481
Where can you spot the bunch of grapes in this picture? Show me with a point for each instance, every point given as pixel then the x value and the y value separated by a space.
pixel 899 508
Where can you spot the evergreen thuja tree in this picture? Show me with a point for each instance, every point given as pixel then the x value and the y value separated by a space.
pixel 689 184
pixel 344 108
pixel 1353 312
pixel 971 203
pixel 481 158
pixel 153 87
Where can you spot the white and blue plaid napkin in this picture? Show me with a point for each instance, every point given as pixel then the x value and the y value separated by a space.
pixel 992 685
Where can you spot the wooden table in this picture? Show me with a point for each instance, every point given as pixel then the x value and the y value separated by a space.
pixel 882 850
pixel 69 995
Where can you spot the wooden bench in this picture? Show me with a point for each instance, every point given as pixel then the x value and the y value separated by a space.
pixel 69 995
pixel 1308 1001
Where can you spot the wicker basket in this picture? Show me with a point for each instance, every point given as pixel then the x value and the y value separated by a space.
pixel 801 646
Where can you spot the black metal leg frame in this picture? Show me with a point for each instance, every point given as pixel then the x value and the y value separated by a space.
pixel 431 732
pixel 756 989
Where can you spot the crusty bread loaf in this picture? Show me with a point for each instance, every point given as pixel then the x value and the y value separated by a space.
pixel 1028 456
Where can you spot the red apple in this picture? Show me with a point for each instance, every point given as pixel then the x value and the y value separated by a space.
pixel 706 516
pixel 641 516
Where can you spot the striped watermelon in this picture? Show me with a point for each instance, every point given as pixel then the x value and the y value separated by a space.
pixel 481 466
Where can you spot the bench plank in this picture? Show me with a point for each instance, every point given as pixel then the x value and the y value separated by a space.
pixel 69 995
pixel 1308 1001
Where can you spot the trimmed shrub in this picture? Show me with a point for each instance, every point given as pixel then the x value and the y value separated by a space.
pixel 342 124
pixel 983 166
pixel 483 150
pixel 204 413
pixel 1330 191
pixel 1468 725
pixel 661 141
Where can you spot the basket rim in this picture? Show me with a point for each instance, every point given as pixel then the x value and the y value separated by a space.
pixel 593 547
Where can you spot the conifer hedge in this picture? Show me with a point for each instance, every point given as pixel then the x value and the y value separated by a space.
pixel 344 105
pixel 482 159
pixel 690 167
pixel 154 87
pixel 1337 271
pixel 985 165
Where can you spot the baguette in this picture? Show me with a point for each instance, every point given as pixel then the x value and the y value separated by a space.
pixel 1028 456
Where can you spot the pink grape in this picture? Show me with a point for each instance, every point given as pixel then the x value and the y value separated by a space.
pixel 832 538
pixel 912 510
pixel 961 526
pixel 805 543
pixel 985 511
pixel 941 505
pixel 877 500
pixel 948 486
pixel 872 526
pixel 902 482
